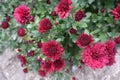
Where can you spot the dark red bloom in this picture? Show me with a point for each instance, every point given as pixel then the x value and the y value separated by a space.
pixel 47 65
pixel 59 64
pixel 5 25
pixel 21 32
pixel 22 59
pixel 102 10
pixel 25 70
pixel 31 53
pixel 44 25
pixel 79 15
pixel 63 8
pixel 39 44
pixel 48 1
pixel 117 40
pixel 84 40
pixel 116 12
pixel 73 31
pixel 42 73
pixel 52 49
pixel 8 18
pixel 22 14
pixel 54 13
pixel 95 56
pixel 73 78
pixel 31 19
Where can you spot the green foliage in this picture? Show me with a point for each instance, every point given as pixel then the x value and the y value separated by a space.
pixel 101 25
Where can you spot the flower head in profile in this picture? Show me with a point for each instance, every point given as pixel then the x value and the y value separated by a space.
pixel 63 8
pixel 84 40
pixel 52 49
pixel 22 14
pixel 116 12
pixel 44 25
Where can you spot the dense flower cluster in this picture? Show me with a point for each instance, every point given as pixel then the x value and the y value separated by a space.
pixel 100 54
pixel 51 51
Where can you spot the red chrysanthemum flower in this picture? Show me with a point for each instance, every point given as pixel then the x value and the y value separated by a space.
pixel 39 44
pixel 79 15
pixel 48 1
pixel 63 8
pixel 47 65
pixel 116 12
pixel 5 25
pixel 52 49
pixel 59 64
pixel 22 14
pixel 73 31
pixel 44 25
pixel 42 73
pixel 25 70
pixel 84 40
pixel 31 53
pixel 21 32
pixel 112 50
pixel 22 59
pixel 102 10
pixel 95 56
pixel 117 40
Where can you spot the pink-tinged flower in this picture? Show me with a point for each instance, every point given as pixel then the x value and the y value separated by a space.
pixel 52 49
pixel 84 40
pixel 73 31
pixel 21 32
pixel 79 15
pixel 63 8
pixel 22 59
pixel 111 48
pixel 102 10
pixel 31 41
pixel 95 56
pixel 39 44
pixel 44 25
pixel 117 40
pixel 59 64
pixel 39 59
pixel 116 12
pixel 25 70
pixel 42 73
pixel 31 53
pixel 5 25
pixel 47 65
pixel 22 14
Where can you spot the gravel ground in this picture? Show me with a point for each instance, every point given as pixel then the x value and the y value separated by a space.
pixel 10 69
